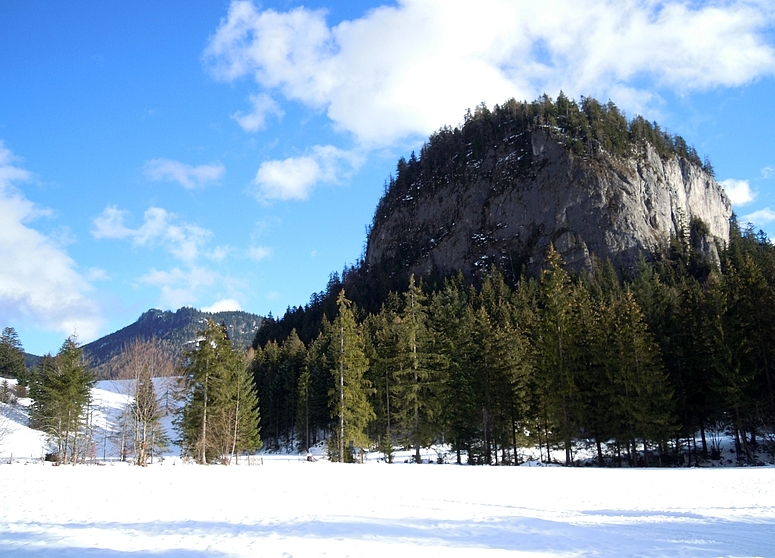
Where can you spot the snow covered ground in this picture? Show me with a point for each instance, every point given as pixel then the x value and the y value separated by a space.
pixel 288 507
pixel 284 505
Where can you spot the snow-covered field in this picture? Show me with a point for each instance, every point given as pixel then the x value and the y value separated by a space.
pixel 297 508
pixel 287 506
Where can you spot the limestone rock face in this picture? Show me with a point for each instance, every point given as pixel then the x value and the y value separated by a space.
pixel 523 195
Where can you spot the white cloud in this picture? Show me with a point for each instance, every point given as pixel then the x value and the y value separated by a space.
pixel 739 191
pixel 187 176
pixel 219 253
pixel 768 172
pixel 225 305
pixel 39 281
pixel 760 217
pixel 183 240
pixel 259 253
pixel 255 120
pixel 97 274
pixel 403 71
pixel 184 284
pixel 295 177
pixel 180 287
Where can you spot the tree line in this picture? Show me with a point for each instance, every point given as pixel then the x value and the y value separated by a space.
pixel 210 395
pixel 631 365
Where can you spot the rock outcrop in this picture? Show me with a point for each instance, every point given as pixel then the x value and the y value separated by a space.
pixel 532 189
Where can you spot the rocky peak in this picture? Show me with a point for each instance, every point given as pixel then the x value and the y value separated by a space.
pixel 506 201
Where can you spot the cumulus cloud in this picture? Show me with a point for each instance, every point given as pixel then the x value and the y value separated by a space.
pixel 768 172
pixel 187 176
pixel 403 71
pixel 180 287
pixel 39 281
pixel 295 177
pixel 259 253
pixel 255 120
pixel 739 191
pixel 225 305
pixel 193 277
pixel 159 228
pixel 760 217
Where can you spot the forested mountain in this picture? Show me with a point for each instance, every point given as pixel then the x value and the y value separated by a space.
pixel 655 333
pixel 174 331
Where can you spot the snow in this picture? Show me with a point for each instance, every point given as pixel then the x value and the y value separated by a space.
pixel 289 507
pixel 285 505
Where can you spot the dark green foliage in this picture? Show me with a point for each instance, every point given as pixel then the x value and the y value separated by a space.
pixel 61 393
pixel 631 366
pixel 220 417
pixel 12 361
pixel 349 397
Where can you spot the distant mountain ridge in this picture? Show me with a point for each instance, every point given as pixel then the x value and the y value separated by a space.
pixel 175 331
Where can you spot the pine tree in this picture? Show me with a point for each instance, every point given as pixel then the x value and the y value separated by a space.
pixel 555 339
pixel 416 379
pixel 383 343
pixel 235 409
pixel 220 415
pixel 644 397
pixel 452 321
pixel 349 399
pixel 12 356
pixel 61 390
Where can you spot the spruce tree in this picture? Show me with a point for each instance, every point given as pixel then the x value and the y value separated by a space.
pixel 12 356
pixel 416 375
pixel 555 341
pixel 220 415
pixel 348 400
pixel 61 392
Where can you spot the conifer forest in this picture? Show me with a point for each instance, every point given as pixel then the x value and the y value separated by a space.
pixel 631 365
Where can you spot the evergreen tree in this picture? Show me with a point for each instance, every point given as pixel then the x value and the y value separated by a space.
pixel 555 342
pixel 61 392
pixel 348 400
pixel 236 412
pixel 220 415
pixel 453 324
pixel 383 338
pixel 416 379
pixel 12 356
pixel 643 403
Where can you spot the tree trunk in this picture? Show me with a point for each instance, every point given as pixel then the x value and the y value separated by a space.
pixel 203 458
pixel 341 394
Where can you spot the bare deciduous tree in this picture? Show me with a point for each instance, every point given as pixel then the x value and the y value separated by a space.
pixel 143 368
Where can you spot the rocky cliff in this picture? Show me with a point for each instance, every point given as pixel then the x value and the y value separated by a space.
pixel 507 200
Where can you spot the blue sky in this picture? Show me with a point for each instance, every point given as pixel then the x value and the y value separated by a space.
pixel 230 155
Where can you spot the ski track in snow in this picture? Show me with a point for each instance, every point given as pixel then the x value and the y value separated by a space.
pixel 295 508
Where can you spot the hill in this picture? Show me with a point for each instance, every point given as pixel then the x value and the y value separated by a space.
pixel 173 330
pixel 509 181
pixel 498 189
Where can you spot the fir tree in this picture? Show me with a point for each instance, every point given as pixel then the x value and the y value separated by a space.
pixel 12 356
pixel 349 399
pixel 61 390
pixel 220 415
